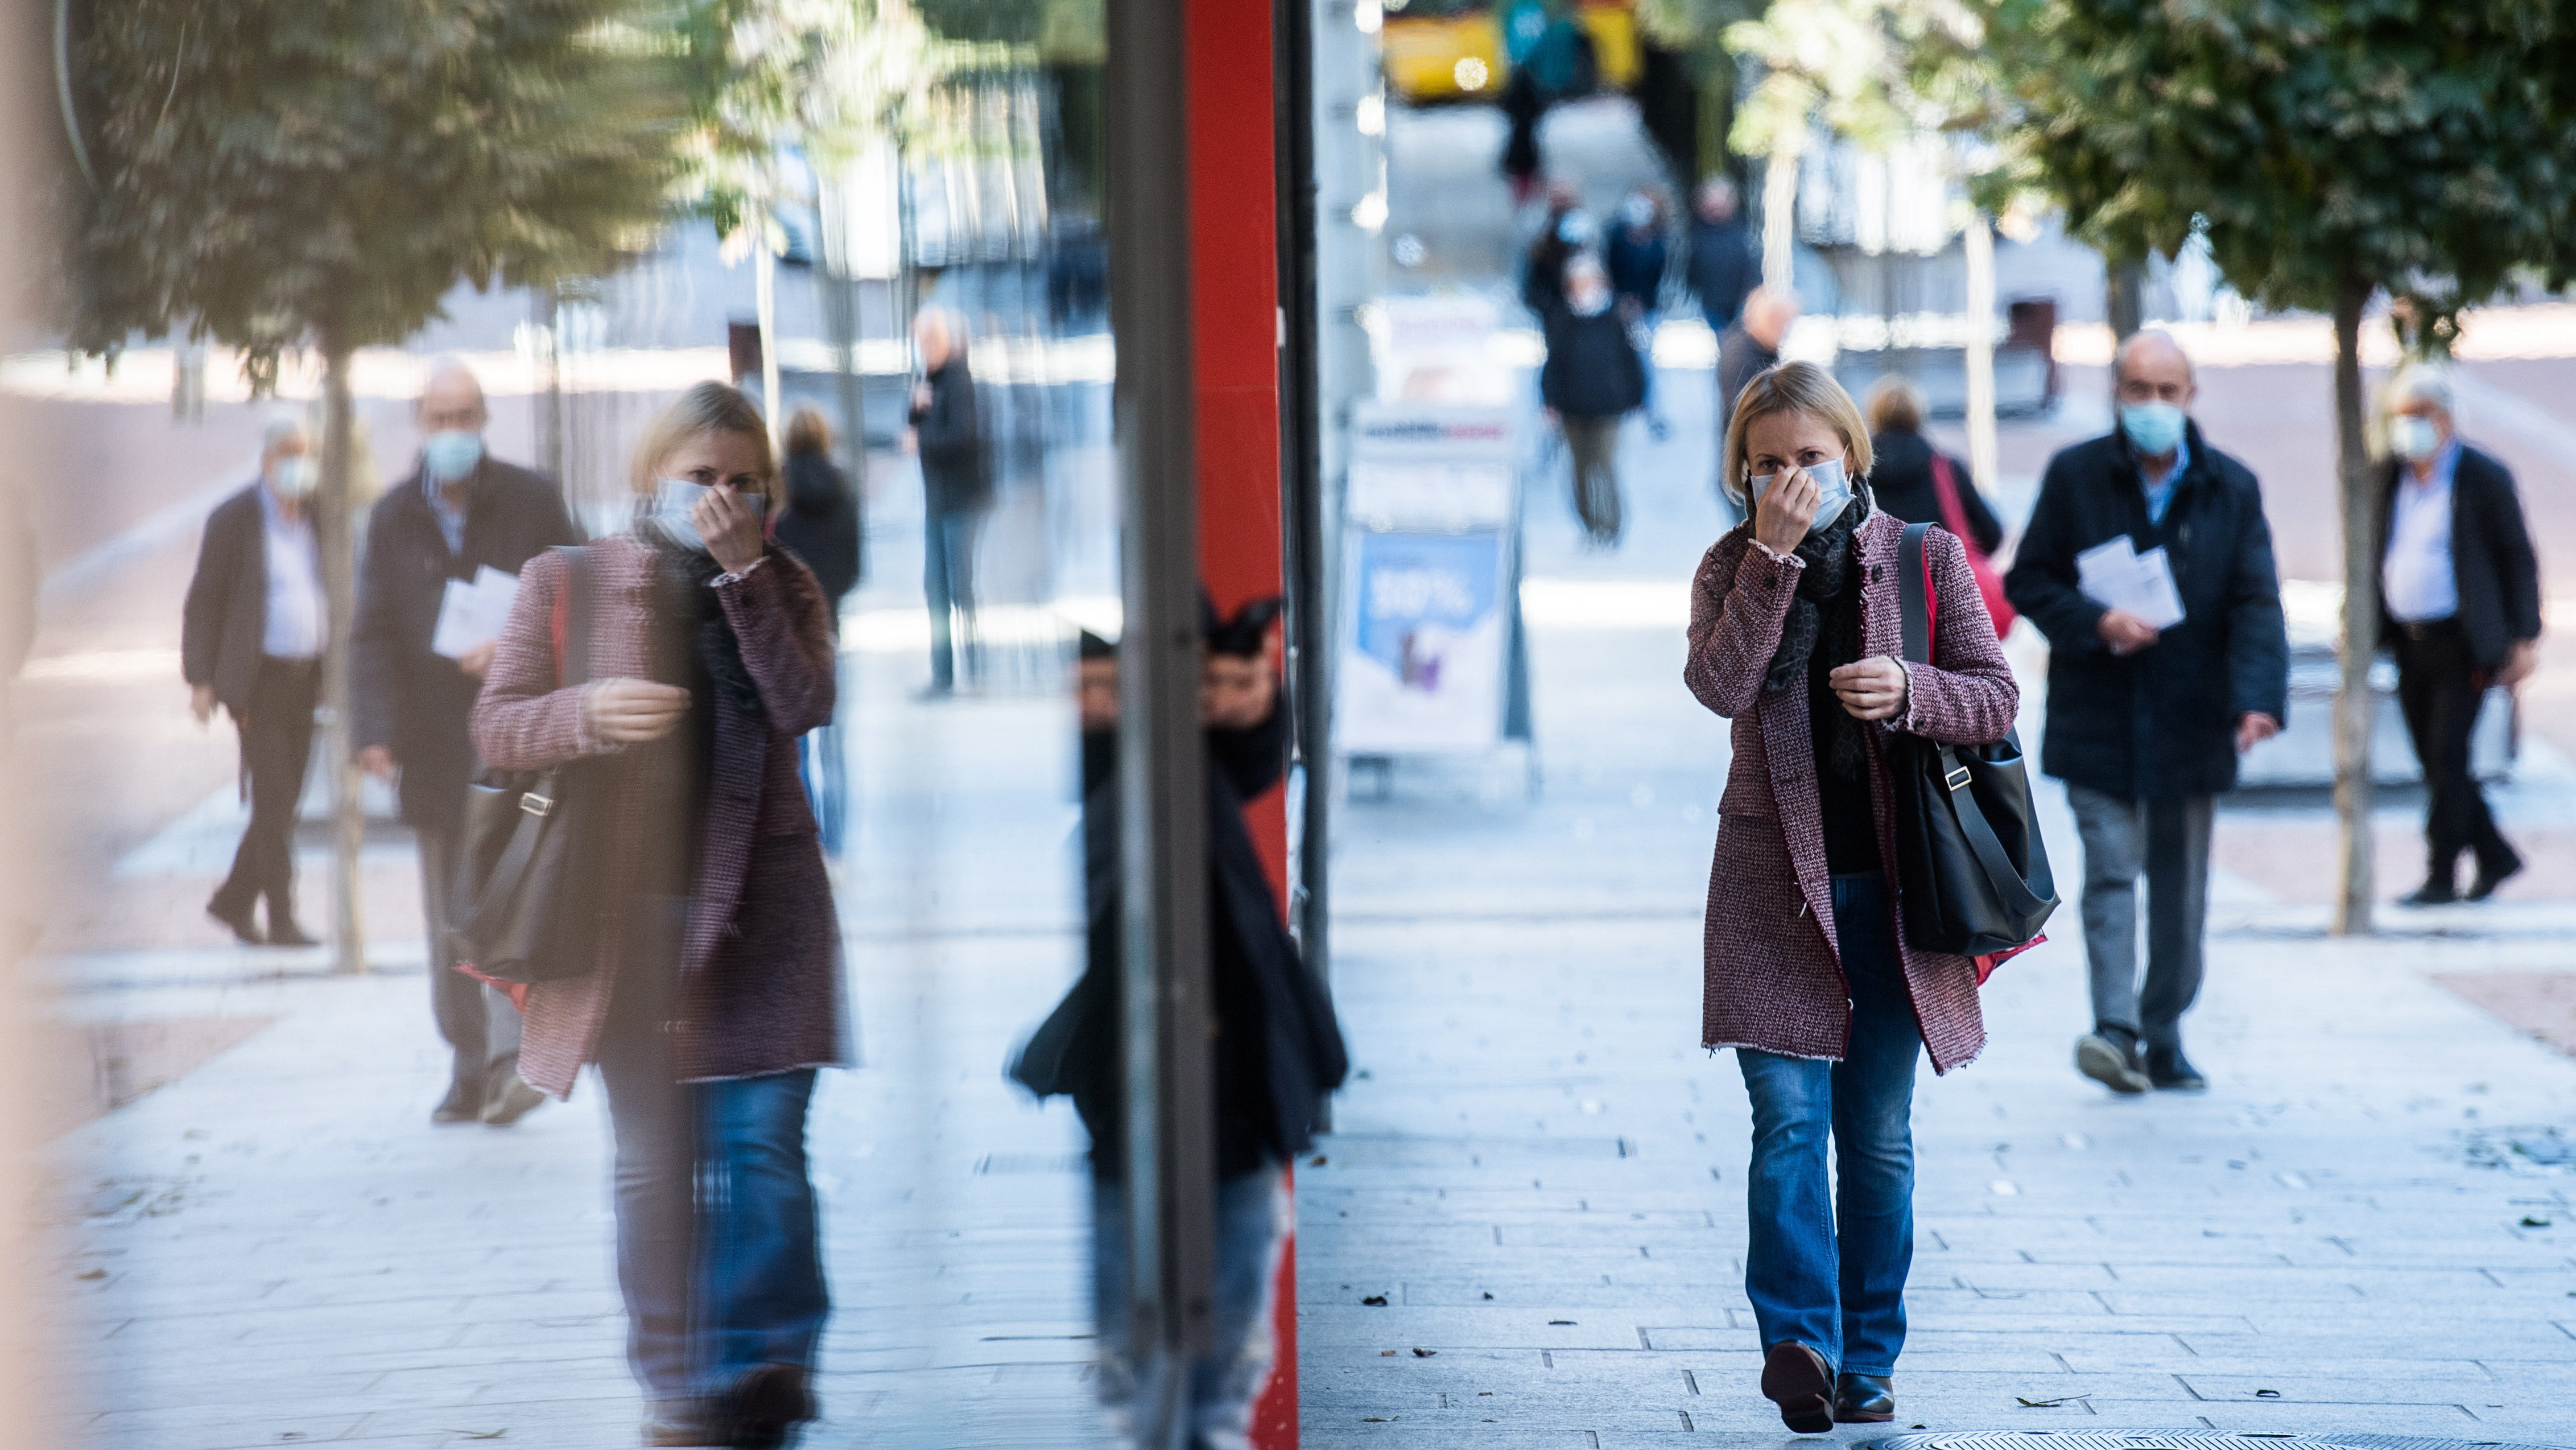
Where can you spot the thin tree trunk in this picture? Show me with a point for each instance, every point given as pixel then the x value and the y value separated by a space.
pixel 336 534
pixel 2355 709
pixel 764 275
pixel 1780 213
pixel 1978 242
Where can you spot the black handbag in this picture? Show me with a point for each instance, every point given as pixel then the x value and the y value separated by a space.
pixel 1971 867
pixel 528 885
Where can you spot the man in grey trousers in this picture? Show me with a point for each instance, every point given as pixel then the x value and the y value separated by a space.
pixel 2148 712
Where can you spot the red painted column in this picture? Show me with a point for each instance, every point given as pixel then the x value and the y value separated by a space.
pixel 1235 286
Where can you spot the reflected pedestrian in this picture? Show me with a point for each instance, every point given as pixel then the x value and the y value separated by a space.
pixel 251 640
pixel 2460 608
pixel 1277 1046
pixel 2145 721
pixel 821 522
pixel 1591 380
pixel 461 511
pixel 1795 636
pixel 717 991
pixel 957 491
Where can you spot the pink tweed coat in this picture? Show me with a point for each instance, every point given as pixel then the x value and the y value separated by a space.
pixel 1774 979
pixel 760 964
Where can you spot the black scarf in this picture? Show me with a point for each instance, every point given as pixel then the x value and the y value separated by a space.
pixel 1822 630
pixel 700 637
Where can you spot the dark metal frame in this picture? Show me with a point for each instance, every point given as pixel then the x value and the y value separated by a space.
pixel 1171 1125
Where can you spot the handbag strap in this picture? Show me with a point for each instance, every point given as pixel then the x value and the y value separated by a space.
pixel 1914 593
pixel 2018 897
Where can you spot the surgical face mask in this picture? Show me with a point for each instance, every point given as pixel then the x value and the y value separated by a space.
pixel 295 477
pixel 1576 229
pixel 1833 492
pixel 451 454
pixel 2153 428
pixel 675 500
pixel 2415 439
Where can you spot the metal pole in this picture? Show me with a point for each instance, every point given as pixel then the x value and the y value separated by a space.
pixel 1170 1068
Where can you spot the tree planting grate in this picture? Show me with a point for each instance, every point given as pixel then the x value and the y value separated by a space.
pixel 2177 1440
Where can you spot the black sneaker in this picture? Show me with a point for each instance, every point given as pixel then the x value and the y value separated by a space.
pixel 245 926
pixel 2486 884
pixel 2109 1056
pixel 2170 1071
pixel 764 1407
pixel 2431 893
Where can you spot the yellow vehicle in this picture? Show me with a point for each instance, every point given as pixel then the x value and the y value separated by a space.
pixel 1452 50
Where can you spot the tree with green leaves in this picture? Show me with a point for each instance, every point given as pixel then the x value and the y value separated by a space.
pixel 2331 151
pixel 318 174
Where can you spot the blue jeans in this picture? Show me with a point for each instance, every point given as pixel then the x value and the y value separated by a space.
pixel 1828 1269
pixel 1251 1219
pixel 948 581
pixel 718 1256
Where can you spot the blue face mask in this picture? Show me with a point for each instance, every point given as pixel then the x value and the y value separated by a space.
pixel 452 454
pixel 2153 428
pixel 1834 492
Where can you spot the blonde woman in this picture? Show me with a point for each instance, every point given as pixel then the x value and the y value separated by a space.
pixel 1795 635
pixel 716 992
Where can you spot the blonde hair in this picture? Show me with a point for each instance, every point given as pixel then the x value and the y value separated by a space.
pixel 706 408
pixel 1895 406
pixel 1791 387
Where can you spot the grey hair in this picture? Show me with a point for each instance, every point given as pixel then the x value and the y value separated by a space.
pixel 2129 344
pixel 2426 383
pixel 282 425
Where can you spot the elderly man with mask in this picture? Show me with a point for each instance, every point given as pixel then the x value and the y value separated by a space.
pixel 460 511
pixel 2145 721
pixel 251 639
pixel 2459 594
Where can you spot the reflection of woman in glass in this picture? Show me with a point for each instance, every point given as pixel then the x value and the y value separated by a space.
pixel 716 992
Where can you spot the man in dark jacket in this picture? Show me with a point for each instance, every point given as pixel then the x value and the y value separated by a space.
pixel 1278 1047
pixel 1591 380
pixel 957 489
pixel 251 640
pixel 460 511
pixel 1745 351
pixel 2460 606
pixel 1723 263
pixel 2145 723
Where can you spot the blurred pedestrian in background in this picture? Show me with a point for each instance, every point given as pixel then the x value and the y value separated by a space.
pixel 2460 607
pixel 251 639
pixel 1725 263
pixel 1920 484
pixel 1637 258
pixel 1278 1047
pixel 821 522
pixel 1750 348
pixel 2145 723
pixel 1592 379
pixel 1565 228
pixel 957 487
pixel 717 991
pixel 1795 636
pixel 461 511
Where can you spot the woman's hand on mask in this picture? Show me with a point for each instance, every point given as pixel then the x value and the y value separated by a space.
pixel 1870 689
pixel 1786 508
pixel 625 711
pixel 731 529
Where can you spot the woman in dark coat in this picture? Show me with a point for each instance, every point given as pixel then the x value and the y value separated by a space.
pixel 1592 378
pixel 1796 636
pixel 821 521
pixel 716 992
pixel 1900 478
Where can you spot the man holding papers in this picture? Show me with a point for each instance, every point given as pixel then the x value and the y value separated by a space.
pixel 2148 565
pixel 444 550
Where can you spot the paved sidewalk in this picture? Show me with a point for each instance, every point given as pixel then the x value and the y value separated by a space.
pixel 1543 1175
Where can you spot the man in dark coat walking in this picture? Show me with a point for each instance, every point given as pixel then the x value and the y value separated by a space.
pixel 1591 380
pixel 251 640
pixel 1724 265
pixel 2145 723
pixel 957 490
pixel 1278 1047
pixel 460 511
pixel 2459 600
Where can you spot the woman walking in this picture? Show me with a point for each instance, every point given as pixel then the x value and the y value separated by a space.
pixel 716 993
pixel 1795 635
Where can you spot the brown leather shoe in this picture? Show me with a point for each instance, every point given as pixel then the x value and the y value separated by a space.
pixel 765 1406
pixel 1798 1380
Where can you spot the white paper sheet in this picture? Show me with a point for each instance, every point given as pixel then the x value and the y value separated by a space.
pixel 473 612
pixel 2116 576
